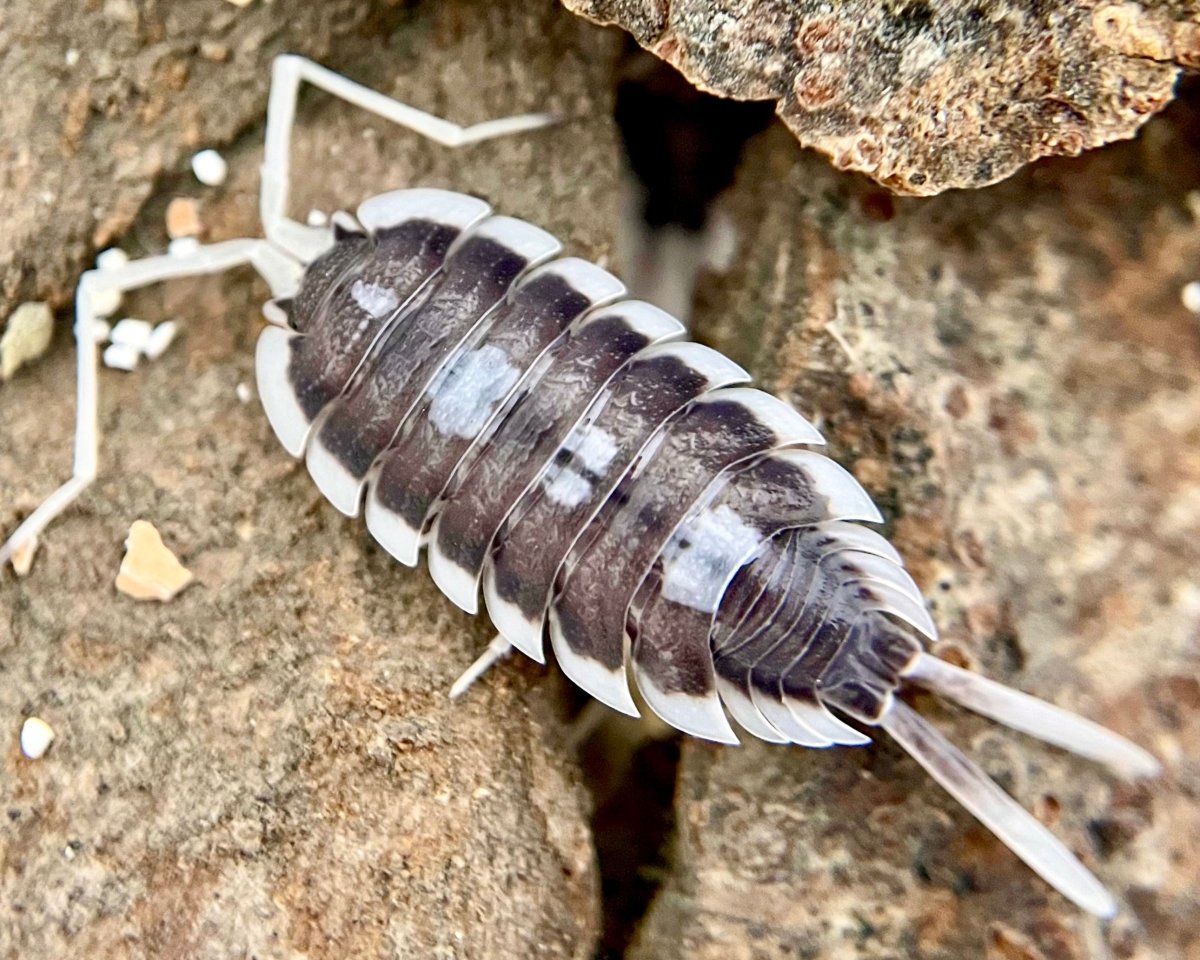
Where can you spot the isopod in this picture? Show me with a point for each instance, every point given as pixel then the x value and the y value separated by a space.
pixel 563 451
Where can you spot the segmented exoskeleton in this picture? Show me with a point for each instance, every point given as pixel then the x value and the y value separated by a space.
pixel 603 482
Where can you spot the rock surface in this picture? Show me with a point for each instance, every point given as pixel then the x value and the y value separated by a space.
pixel 268 764
pixel 1012 373
pixel 927 95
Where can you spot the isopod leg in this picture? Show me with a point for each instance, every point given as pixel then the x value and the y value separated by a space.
pixel 288 73
pixel 215 258
pixel 496 651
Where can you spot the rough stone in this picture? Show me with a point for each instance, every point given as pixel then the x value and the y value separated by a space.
pixel 1017 369
pixel 927 95
pixel 104 100
pixel 269 765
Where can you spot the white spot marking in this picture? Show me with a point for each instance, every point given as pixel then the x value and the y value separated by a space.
pixel 374 299
pixel 464 398
pixel 567 488
pixel 595 450
pixel 701 555
pixel 592 452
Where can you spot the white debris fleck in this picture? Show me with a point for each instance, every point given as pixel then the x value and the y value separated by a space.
pixel 374 299
pixel 72 57
pixel 244 393
pixel 131 333
pixel 1190 295
pixel 121 356
pixel 317 218
pixel 26 337
pixel 161 337
pixel 114 258
pixel 105 302
pixel 210 167
pixel 183 246
pixel 150 571
pixel 21 557
pixel 36 737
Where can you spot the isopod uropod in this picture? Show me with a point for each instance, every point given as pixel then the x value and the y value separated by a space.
pixel 604 483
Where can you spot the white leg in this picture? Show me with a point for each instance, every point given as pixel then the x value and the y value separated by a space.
pixel 280 273
pixel 496 651
pixel 288 73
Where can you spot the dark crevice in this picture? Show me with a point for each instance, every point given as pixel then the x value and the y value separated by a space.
pixel 632 779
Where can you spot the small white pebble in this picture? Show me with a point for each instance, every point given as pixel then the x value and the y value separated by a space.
pixel 68 853
pixel 244 393
pixel 1190 295
pixel 132 333
pixel 210 168
pixel 101 330
pixel 317 218
pixel 114 258
pixel 160 338
pixel 36 737
pixel 106 302
pixel 183 246
pixel 72 57
pixel 121 356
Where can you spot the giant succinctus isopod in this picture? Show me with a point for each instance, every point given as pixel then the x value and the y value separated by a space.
pixel 561 450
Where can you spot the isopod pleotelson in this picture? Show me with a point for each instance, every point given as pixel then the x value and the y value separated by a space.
pixel 559 449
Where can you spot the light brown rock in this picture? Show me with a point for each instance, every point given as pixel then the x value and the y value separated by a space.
pixel 149 570
pixel 1024 403
pixel 269 765
pixel 183 218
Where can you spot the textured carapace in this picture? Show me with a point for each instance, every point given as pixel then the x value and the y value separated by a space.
pixel 612 487
pixel 559 445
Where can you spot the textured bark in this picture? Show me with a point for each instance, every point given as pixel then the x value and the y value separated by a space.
pixel 268 765
pixel 1019 386
pixel 926 96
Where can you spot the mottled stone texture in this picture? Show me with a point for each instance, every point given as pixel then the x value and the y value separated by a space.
pixel 268 765
pixel 1012 374
pixel 926 95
